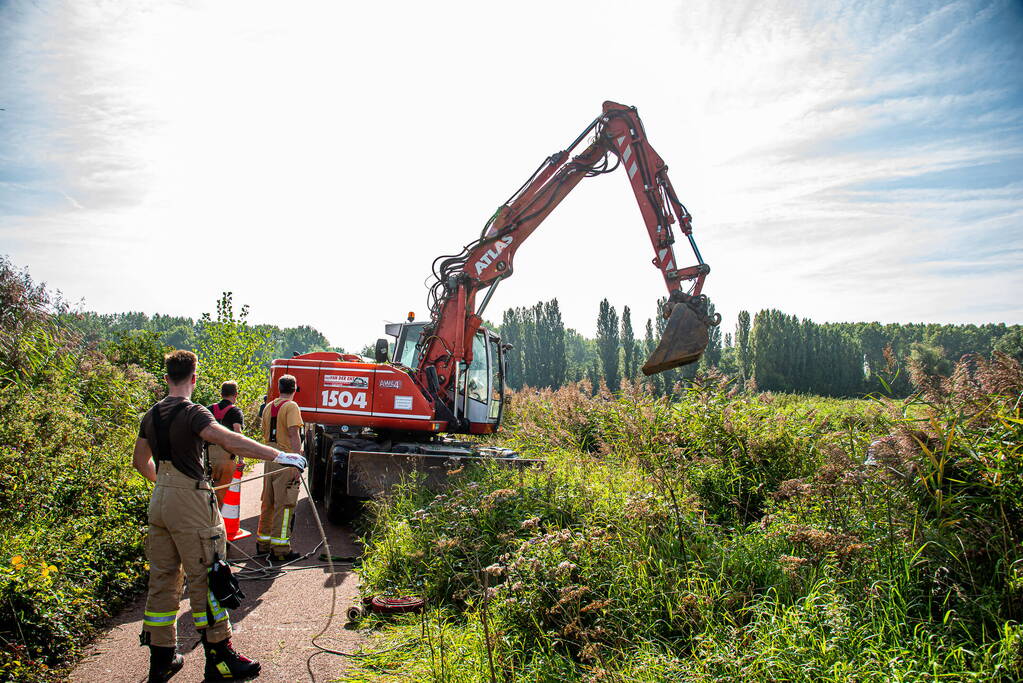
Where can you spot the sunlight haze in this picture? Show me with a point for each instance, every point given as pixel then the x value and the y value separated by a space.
pixel 843 160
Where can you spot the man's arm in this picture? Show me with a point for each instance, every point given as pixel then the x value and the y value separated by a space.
pixel 295 439
pixel 237 426
pixel 237 443
pixel 142 460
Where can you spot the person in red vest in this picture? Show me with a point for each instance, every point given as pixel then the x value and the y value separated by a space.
pixel 223 463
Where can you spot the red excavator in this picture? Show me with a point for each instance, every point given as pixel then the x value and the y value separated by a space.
pixel 372 424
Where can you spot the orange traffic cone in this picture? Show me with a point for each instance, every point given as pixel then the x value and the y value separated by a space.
pixel 231 509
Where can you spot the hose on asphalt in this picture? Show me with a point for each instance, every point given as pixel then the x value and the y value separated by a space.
pixel 270 572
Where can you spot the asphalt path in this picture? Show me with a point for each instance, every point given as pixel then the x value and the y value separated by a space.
pixel 274 625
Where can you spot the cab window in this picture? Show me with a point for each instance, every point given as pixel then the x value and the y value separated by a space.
pixel 477 384
pixel 495 379
pixel 406 352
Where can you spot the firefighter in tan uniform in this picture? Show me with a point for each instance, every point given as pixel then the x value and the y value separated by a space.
pixel 185 527
pixel 222 463
pixel 282 428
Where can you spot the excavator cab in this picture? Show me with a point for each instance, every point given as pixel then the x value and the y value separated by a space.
pixel 479 392
pixel 481 384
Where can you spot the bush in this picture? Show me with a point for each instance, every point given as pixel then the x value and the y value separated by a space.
pixel 74 511
pixel 722 537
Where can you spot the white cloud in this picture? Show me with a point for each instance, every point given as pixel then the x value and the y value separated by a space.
pixel 315 159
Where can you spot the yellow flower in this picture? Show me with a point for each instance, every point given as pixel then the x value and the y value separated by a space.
pixel 52 569
pixel 17 559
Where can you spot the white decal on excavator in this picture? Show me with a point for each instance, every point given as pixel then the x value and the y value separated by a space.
pixel 492 254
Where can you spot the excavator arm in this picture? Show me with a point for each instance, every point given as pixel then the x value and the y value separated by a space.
pixel 618 140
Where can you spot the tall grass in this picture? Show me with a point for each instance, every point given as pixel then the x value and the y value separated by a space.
pixel 722 536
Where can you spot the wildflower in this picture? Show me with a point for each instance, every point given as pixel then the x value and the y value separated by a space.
pixel 447 543
pixel 565 567
pixel 494 570
pixel 790 564
pixel 597 604
pixel 497 495
pixel 518 586
pixel 531 523
pixel 18 561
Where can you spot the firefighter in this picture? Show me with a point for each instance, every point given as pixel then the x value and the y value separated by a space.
pixel 282 424
pixel 185 527
pixel 222 463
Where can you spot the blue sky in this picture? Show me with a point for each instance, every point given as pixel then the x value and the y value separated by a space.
pixel 842 160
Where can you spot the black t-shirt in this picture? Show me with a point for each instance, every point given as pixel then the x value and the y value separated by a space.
pixel 185 444
pixel 232 417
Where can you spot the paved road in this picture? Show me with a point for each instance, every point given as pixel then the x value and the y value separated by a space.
pixel 274 624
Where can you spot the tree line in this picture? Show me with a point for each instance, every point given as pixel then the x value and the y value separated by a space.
pixel 771 350
pixel 180 332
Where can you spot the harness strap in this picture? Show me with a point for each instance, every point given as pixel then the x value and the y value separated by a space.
pixel 163 444
pixel 221 413
pixel 274 409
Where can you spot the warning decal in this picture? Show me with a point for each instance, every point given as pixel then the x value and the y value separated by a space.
pixel 355 381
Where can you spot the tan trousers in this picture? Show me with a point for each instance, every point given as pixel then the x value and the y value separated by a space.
pixel 185 530
pixel 277 512
pixel 222 466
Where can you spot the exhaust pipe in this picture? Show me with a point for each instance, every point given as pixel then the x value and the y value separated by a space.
pixel 686 334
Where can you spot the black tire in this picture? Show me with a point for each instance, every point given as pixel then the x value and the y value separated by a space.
pixel 340 507
pixel 317 464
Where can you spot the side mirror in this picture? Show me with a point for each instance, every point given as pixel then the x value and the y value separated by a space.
pixel 381 351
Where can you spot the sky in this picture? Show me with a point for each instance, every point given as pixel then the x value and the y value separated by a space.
pixel 843 161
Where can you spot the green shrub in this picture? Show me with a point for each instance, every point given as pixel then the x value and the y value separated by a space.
pixel 722 537
pixel 73 522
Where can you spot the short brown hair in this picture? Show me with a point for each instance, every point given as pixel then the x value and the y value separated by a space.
pixel 229 389
pixel 180 365
pixel 287 384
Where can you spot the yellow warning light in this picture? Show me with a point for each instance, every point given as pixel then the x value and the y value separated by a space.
pixel 411 316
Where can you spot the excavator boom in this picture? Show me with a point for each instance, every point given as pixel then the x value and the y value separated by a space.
pixel 617 134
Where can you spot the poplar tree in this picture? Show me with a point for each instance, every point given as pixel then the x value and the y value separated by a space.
pixel 742 348
pixel 609 344
pixel 630 353
pixel 651 344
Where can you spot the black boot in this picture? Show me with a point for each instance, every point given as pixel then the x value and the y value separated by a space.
pixel 284 559
pixel 224 664
pixel 163 663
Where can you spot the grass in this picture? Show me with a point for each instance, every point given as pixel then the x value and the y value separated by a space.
pixel 720 536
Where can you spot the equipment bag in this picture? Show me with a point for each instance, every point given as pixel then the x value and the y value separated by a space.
pixel 224 585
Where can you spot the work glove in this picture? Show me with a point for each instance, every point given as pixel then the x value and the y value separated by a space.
pixel 291 460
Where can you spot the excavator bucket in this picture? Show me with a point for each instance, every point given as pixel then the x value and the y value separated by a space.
pixel 684 340
pixel 371 475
